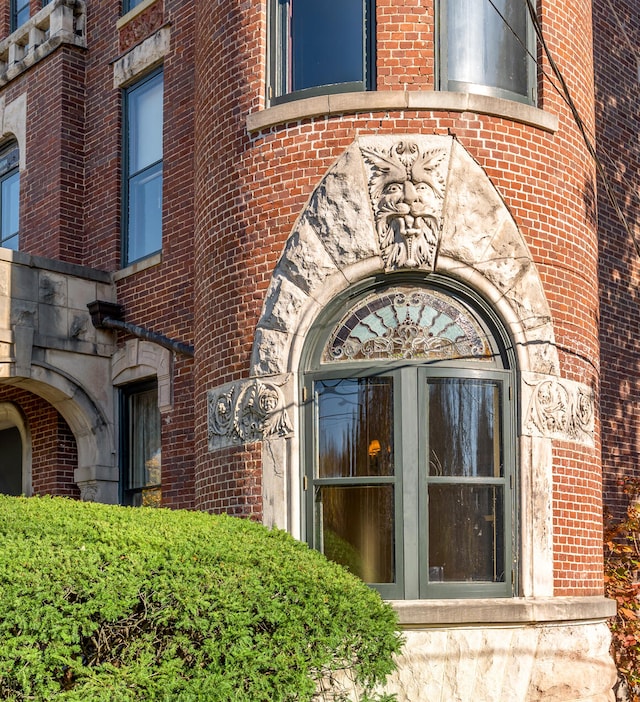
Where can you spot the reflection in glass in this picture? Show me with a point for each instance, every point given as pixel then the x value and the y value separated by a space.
pixel 145 212
pixel 327 42
pixel 464 428
pixel 355 527
pixel 466 533
pixel 486 44
pixel 355 427
pixel 145 463
pixel 10 205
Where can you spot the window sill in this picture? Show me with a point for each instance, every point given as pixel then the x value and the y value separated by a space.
pixel 133 13
pixel 425 614
pixel 396 100
pixel 141 265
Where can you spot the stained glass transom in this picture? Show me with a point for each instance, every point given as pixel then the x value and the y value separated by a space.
pixel 408 323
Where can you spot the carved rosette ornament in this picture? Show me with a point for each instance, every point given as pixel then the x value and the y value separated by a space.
pixel 246 412
pixel 407 185
pixel 562 410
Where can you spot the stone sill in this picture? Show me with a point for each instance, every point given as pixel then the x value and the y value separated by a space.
pixel 60 22
pixel 141 265
pixel 425 614
pixel 132 14
pixel 397 101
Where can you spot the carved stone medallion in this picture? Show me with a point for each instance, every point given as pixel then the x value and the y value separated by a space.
pixel 563 410
pixel 407 185
pixel 245 412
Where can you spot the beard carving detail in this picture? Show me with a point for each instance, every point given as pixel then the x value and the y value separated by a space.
pixel 407 192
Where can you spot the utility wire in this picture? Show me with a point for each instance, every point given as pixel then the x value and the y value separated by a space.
pixel 581 126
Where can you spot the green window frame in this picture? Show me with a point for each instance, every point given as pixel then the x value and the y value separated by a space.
pixel 10 196
pixel 143 168
pixel 487 47
pixel 320 47
pixel 140 445
pixel 409 462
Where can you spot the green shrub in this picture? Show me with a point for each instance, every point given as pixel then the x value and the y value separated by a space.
pixel 110 603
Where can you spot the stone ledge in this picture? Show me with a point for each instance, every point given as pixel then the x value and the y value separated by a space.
pixel 137 266
pixel 53 265
pixel 421 614
pixel 397 100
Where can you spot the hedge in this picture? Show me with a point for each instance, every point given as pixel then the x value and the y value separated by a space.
pixel 114 604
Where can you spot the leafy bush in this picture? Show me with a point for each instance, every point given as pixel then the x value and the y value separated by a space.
pixel 622 584
pixel 116 604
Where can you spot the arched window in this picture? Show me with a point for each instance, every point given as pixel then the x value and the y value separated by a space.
pixel 409 442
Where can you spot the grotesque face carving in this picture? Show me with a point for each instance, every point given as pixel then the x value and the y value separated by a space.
pixel 407 191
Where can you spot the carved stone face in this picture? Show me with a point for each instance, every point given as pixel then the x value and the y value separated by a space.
pixel 407 192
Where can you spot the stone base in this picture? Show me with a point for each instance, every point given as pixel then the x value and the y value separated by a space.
pixel 554 661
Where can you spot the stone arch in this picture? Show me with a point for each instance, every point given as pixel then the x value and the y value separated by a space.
pixel 96 473
pixel 336 242
pixel 12 416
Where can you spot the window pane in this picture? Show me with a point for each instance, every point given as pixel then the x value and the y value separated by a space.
pixel 327 42
pixel 10 194
pixel 11 465
pixel 145 213
pixel 144 456
pixel 464 428
pixel 466 533
pixel 355 527
pixel 145 124
pixel 485 48
pixel 355 427
pixel 21 12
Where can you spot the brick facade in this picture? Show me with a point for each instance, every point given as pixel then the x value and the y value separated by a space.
pixel 234 192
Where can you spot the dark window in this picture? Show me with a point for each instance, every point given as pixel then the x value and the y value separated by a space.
pixel 9 197
pixel 409 447
pixel 487 47
pixel 11 465
pixel 143 168
pixel 129 5
pixel 19 13
pixel 320 47
pixel 141 464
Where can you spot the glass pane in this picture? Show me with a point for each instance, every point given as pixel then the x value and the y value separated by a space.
pixel 355 427
pixel 22 12
pixel 327 42
pixel 466 533
pixel 487 45
pixel 144 440
pixel 10 193
pixel 145 213
pixel 355 527
pixel 11 467
pixel 145 124
pixel 465 427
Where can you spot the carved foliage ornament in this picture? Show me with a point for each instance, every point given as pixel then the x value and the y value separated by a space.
pixel 562 410
pixel 246 412
pixel 407 187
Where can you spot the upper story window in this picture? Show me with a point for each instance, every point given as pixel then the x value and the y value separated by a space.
pixel 141 462
pixel 19 13
pixel 9 196
pixel 320 47
pixel 409 445
pixel 128 5
pixel 143 126
pixel 487 47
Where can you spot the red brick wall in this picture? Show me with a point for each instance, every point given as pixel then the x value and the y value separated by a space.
pixel 54 453
pixel 617 108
